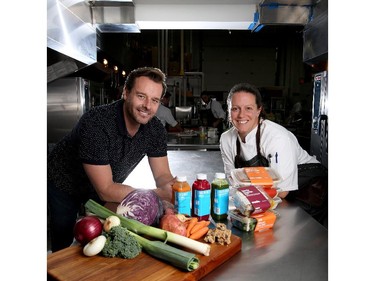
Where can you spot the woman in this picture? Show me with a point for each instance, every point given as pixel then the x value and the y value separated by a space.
pixel 277 146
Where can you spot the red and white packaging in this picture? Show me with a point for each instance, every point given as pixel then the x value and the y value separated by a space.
pixel 251 200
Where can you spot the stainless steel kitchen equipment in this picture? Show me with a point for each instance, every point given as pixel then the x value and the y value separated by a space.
pixel 184 114
pixel 319 124
pixel 67 99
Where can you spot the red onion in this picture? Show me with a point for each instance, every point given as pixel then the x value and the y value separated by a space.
pixel 87 228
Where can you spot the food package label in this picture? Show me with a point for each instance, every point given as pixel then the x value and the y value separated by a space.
pixel 253 196
pixel 259 176
pixel 265 220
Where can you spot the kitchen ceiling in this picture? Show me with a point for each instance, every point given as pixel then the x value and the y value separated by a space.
pixel 72 25
pixel 194 14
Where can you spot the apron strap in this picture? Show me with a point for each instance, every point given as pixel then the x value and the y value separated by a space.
pixel 238 146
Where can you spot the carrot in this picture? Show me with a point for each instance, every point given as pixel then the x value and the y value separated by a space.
pixel 192 223
pixel 207 223
pixel 199 233
pixel 186 224
pixel 199 225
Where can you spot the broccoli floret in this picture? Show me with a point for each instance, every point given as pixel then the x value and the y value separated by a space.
pixel 120 243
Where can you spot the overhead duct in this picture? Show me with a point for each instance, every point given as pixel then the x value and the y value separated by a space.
pixel 282 12
pixel 311 14
pixel 114 16
pixel 194 14
pixel 315 35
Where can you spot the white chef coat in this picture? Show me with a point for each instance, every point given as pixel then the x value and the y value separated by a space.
pixel 216 109
pixel 277 144
pixel 165 115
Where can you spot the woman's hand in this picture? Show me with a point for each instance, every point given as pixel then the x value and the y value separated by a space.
pixel 283 194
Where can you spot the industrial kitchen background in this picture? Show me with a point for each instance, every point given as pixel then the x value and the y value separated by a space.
pixel 280 46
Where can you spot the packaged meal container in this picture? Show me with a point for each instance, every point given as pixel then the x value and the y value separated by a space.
pixel 241 222
pixel 251 200
pixel 257 222
pixel 265 220
pixel 259 176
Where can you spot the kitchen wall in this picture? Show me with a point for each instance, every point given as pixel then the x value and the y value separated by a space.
pixel 271 58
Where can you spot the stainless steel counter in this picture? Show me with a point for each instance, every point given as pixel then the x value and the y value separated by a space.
pixel 295 249
pixel 178 141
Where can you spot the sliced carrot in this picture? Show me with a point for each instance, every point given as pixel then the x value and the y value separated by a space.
pixel 192 223
pixel 198 226
pixel 199 233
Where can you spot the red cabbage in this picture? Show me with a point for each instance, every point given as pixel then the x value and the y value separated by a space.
pixel 143 205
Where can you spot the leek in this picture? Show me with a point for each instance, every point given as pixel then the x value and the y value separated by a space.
pixel 176 257
pixel 157 249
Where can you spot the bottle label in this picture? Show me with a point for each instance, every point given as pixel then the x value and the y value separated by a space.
pixel 202 202
pixel 221 201
pixel 183 202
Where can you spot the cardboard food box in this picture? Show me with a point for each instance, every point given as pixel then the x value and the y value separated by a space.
pixel 256 223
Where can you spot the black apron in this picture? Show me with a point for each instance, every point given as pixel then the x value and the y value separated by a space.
pixel 207 117
pixel 257 161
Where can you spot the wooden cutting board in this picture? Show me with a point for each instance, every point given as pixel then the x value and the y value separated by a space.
pixel 70 264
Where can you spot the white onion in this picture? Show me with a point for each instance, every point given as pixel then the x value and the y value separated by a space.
pixel 95 246
pixel 110 222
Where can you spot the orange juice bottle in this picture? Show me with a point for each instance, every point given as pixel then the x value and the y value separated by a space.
pixel 181 196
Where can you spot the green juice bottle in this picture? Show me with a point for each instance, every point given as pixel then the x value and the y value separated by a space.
pixel 219 197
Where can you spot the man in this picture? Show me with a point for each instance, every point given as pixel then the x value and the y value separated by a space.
pixel 102 150
pixel 212 113
pixel 165 115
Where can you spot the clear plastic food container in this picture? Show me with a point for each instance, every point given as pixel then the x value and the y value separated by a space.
pixel 241 178
pixel 242 222
pixel 258 222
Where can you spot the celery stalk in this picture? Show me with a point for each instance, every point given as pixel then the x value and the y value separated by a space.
pixel 158 249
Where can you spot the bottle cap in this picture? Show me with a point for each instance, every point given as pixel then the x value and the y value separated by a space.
pixel 201 176
pixel 220 175
pixel 181 178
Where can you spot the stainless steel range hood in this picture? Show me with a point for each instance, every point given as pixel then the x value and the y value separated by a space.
pixel 283 12
pixel 73 38
pixel 72 27
pixel 315 35
pixel 68 32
